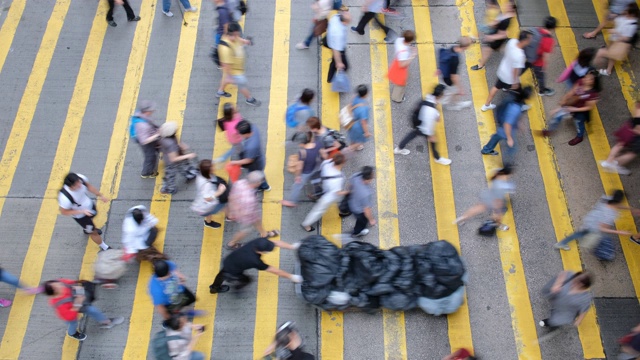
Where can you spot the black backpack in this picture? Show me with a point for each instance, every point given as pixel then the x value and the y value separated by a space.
pixel 214 52
pixel 415 118
pixel 224 197
pixel 315 189
pixel 331 136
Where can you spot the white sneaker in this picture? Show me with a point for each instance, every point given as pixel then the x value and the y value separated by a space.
pixel 399 151
pixel 623 170
pixel 168 13
pixel 443 161
pixel 301 46
pixel 491 106
pixel 560 246
pixel 465 104
pixel 604 72
pixel 503 227
pixel 525 107
pixel 362 233
pixel 191 9
pixel 610 166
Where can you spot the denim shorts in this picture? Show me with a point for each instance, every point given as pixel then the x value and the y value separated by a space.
pixel 215 210
pixel 240 81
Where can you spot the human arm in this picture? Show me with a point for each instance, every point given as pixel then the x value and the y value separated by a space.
pixel 283 245
pixel 610 230
pixel 149 139
pixel 516 77
pixel 241 162
pixel 368 213
pixel 557 285
pixel 284 274
pixel 588 106
pixel 96 192
pixel 337 57
pixel 578 320
pixel 69 212
pixel 365 127
pixel 499 35
pixel 162 310
pixel 180 276
pixel 270 349
pixel 508 130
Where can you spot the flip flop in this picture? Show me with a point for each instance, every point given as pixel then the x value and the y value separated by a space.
pixel 273 233
pixel 584 36
pixel 233 247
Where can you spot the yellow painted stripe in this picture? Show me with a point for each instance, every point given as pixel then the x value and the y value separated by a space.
pixel 212 240
pixel 522 321
pixel 267 297
pixel 600 147
pixel 395 337
pixel 331 322
pixel 444 203
pixel 41 237
pixel 9 27
pixel 143 309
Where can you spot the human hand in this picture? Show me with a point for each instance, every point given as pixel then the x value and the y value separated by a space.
pixel 103 198
pixel 367 134
pixel 88 212
pixel 340 66
pixel 191 155
pixel 373 222
pixel 510 142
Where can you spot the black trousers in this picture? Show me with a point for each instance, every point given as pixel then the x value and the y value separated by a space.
pixel 333 68
pixel 127 8
pixel 538 73
pixel 361 223
pixel 366 17
pixel 153 234
pixel 412 135
pixel 240 280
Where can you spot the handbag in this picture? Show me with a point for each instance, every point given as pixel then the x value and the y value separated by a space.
pixel 625 133
pixel 292 163
pixel 346 116
pixel 234 171
pixel 320 27
pixel 340 82
pixel 397 74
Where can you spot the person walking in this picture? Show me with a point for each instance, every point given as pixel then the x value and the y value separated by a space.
pixel 8 278
pixel 166 7
pixel 359 199
pixel 570 299
pixel 332 188
pixel 616 8
pixel 359 129
pixel 599 221
pixel 577 103
pixel 177 158
pixel 68 298
pixel 210 197
pixel 622 38
pixel 427 116
pixel 627 146
pixel 308 159
pixel 131 16
pixel 288 344
pixel 249 256
pixel 230 119
pixel 327 142
pixel 448 64
pixel 181 347
pixel 370 10
pixel 251 157
pixel 167 290
pixel 538 53
pixel 320 23
pixel 578 68
pixel 510 67
pixel 336 40
pixel 499 36
pixel 224 19
pixel 299 112
pixel 232 59
pixel 74 201
pixel 145 132
pixel 139 232
pixel 404 53
pixel 508 115
pixel 630 345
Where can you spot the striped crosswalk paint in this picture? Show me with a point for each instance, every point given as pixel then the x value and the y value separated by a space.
pixel 9 27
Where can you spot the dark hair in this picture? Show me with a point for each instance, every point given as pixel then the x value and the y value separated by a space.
pixel 524 35
pixel 308 137
pixel 71 179
pixel 438 90
pixel 616 198
pixel 314 123
pixel 632 9
pixel 367 172
pixel 584 278
pixel 307 96
pixel 492 2
pixel 161 268
pixel 205 168
pixel 263 244
pixel 234 27
pixel 409 36
pixel 243 127
pixel 550 23
pixel 338 158
pixel 48 288
pixel 137 215
pixel 597 87
pixel 174 321
pixel 523 94
pixel 506 170
pixel 227 112
pixel 586 56
pixel 362 90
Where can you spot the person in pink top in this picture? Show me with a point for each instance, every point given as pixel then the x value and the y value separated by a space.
pixel 230 118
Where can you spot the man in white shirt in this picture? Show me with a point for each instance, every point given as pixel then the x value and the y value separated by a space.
pixel 511 66
pixel 337 42
pixel 139 231
pixel 332 187
pixel 427 118
pixel 75 202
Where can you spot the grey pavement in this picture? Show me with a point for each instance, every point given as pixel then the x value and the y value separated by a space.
pixel 233 335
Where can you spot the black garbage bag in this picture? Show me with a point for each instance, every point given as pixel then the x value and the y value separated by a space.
pixel 319 261
pixel 384 283
pixel 439 269
pixel 360 267
pixel 405 278
pixel 365 301
pixel 315 295
pixel 398 301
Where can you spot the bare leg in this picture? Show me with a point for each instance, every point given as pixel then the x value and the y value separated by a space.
pixel 471 212
pixel 224 81
pixel 625 158
pixel 597 30
pixel 260 228
pixel 96 238
pixel 246 93
pixel 610 66
pixel 237 237
pixel 615 151
pixel 492 93
pixel 486 53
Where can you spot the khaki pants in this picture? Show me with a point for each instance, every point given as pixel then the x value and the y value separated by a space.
pixel 397 94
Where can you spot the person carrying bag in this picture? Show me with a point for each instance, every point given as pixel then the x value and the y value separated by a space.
pixel 399 69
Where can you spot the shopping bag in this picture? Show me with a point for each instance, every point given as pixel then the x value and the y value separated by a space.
pixel 340 82
pixel 397 74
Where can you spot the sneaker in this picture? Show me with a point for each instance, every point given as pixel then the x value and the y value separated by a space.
pixel 268 188
pixel 637 241
pixel 78 336
pixel 525 108
pixel 99 231
pixel 492 152
pixel 212 224
pixel 137 18
pixel 561 246
pixel 399 151
pixel 222 94
pixel 476 67
pixel 503 227
pixel 547 92
pixel 463 105
pixel 542 323
pixel 611 166
pixel 113 322
pixel 191 9
pixel 545 133
pixel 227 219
pixel 150 176
pixel 361 233
pixel 575 141
pixel 218 290
pixel 302 46
pixel 444 161
pixel 491 106
pixel 112 23
pixel 390 11
pixel 5 303
pixel 623 170
pixel 253 102
pixel 604 72
pixel 168 13
pixel 355 30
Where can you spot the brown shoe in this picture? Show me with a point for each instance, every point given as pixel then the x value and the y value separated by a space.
pixel 575 141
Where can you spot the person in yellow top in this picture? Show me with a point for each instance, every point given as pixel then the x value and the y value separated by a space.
pixel 232 56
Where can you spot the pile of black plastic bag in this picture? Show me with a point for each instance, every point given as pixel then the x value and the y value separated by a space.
pixel 360 275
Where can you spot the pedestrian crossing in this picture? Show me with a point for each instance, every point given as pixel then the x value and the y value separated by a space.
pixel 390 335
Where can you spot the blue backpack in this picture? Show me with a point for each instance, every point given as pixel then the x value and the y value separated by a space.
pixel 290 115
pixel 444 55
pixel 337 4
pixel 132 127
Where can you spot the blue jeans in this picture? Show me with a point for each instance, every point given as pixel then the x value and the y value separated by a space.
pixel 509 152
pixel 296 188
pixel 217 37
pixel 197 355
pixel 579 118
pixel 309 38
pixel 90 311
pixel 166 4
pixel 576 235
pixel 9 278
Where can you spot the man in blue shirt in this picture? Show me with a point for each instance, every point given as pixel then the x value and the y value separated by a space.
pixel 360 194
pixel 251 157
pixel 224 18
pixel 508 115
pixel 167 291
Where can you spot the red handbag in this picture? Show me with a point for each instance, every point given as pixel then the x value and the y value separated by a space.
pixel 397 74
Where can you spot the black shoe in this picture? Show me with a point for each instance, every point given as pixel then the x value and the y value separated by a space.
pixel 218 290
pixel 99 231
pixel 224 93
pixel 112 23
pixel 212 224
pixel 268 188
pixel 165 324
pixel 78 336
pixel 492 152
pixel 343 215
pixel 137 18
pixel 253 102
pixel 637 241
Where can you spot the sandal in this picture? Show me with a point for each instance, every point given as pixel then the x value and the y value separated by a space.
pixel 233 247
pixel 272 233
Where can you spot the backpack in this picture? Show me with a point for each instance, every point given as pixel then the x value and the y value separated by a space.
pixel 132 127
pixel 346 115
pixel 444 57
pixel 331 136
pixel 532 51
pixel 415 118
pixel 634 39
pixel 242 6
pixel 160 344
pixel 224 197
pixel 215 56
pixel 290 115
pixel 68 195
pixel 337 4
pixel 316 189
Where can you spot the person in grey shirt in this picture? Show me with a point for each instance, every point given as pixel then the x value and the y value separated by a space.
pixel 570 299
pixel 360 195
pixel 336 40
pixel 616 8
pixel 147 136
